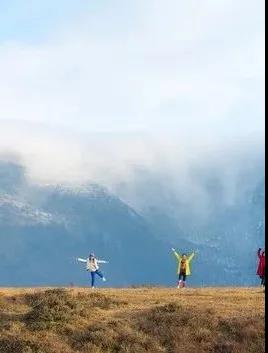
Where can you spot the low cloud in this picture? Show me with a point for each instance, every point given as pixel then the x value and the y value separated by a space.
pixel 141 169
pixel 125 97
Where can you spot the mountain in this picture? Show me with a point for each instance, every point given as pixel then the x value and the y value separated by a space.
pixel 44 227
pixel 221 216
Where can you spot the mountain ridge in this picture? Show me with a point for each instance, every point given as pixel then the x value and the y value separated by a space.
pixel 44 227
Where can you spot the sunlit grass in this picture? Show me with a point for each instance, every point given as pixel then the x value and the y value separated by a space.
pixel 219 320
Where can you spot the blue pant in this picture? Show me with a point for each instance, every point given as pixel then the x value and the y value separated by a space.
pixel 182 276
pixel 93 275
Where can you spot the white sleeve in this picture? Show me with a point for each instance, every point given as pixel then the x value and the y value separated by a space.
pixel 102 262
pixel 81 260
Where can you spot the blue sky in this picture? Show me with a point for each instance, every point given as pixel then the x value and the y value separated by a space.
pixel 34 21
pixel 185 69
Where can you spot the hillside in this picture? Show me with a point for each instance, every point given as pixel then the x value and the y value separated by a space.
pixel 136 320
pixel 60 222
pixel 34 218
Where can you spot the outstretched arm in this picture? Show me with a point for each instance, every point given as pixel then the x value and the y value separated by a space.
pixel 81 260
pixel 102 262
pixel 192 256
pixel 176 254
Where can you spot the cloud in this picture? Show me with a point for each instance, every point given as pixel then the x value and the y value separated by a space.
pixel 159 66
pixel 148 173
pixel 53 156
pixel 150 88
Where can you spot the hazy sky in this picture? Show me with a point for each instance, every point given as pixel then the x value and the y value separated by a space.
pixel 128 92
pixel 184 67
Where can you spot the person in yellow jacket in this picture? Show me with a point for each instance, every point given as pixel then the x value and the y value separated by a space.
pixel 184 267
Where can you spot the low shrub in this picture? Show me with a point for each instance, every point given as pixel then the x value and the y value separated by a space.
pixel 50 308
pixel 56 307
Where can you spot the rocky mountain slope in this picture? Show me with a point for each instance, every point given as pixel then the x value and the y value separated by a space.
pixel 44 227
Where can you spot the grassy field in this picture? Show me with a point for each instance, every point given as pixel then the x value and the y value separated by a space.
pixel 217 320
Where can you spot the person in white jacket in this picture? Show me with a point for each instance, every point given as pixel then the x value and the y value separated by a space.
pixel 92 265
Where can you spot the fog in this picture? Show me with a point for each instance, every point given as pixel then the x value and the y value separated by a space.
pixel 145 171
pixel 166 94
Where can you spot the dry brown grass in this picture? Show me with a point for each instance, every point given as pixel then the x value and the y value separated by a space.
pixel 140 320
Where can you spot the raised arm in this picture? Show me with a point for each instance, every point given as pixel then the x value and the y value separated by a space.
pixel 81 260
pixel 102 262
pixel 191 256
pixel 178 256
